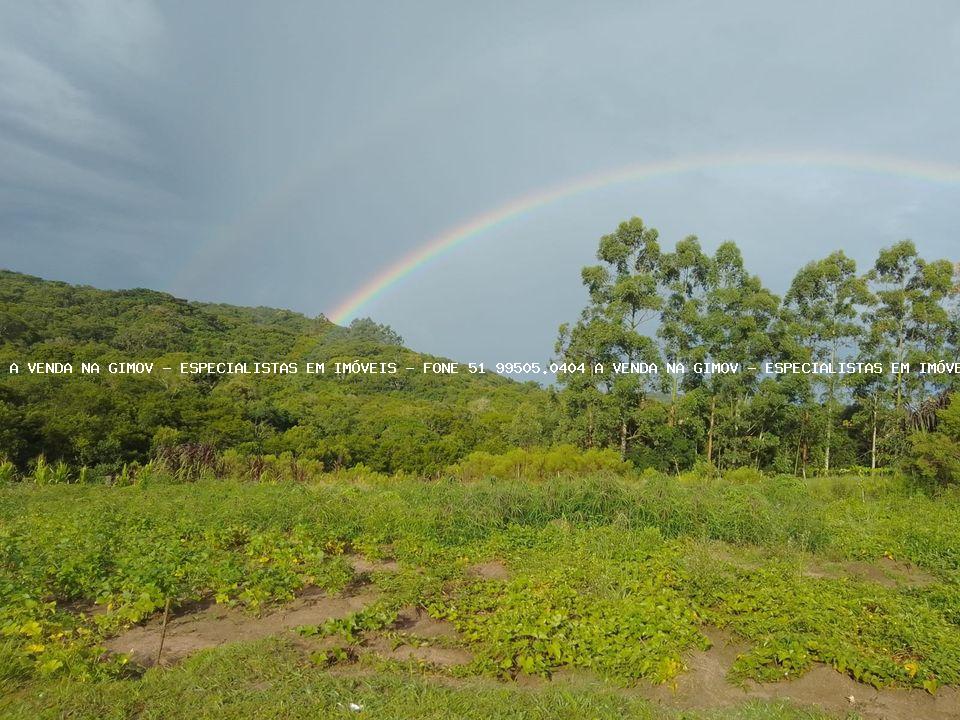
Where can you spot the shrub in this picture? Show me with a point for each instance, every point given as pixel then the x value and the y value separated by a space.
pixel 188 461
pixel 934 458
pixel 539 463
pixel 60 473
pixel 743 515
pixel 41 471
pixel 8 471
pixel 268 468
pixel 704 470
pixel 743 475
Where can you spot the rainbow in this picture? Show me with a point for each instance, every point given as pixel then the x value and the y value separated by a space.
pixel 455 236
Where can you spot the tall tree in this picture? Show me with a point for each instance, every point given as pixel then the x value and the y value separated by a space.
pixel 685 275
pixel 910 324
pixel 823 306
pixel 736 328
pixel 624 297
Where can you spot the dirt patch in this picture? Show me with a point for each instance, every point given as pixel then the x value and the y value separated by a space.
pixel 834 692
pixel 490 570
pixel 85 607
pixel 886 572
pixel 418 631
pixel 362 565
pixel 442 656
pixel 705 685
pixel 217 625
pixel 414 621
pixel 908 572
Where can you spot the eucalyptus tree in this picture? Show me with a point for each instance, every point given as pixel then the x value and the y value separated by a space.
pixel 952 351
pixel 624 297
pixel 684 274
pixel 929 330
pixel 736 327
pixel 885 341
pixel 909 324
pixel 822 308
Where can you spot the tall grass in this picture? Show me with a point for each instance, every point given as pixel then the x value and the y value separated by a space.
pixel 775 511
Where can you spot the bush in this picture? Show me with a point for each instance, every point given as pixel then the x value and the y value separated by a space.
pixel 934 459
pixel 47 474
pixel 703 470
pixel 742 516
pixel 268 468
pixel 188 461
pixel 539 463
pixel 743 475
pixel 8 471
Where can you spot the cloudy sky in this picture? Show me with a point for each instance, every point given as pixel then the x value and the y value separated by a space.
pixel 285 153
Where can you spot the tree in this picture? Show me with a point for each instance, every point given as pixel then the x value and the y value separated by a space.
pixel 823 307
pixel 908 323
pixel 935 456
pixel 17 434
pixel 370 331
pixel 624 296
pixel 736 328
pixel 685 275
pixel 885 341
pixel 12 325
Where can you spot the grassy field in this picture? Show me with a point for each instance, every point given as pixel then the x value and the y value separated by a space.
pixel 577 597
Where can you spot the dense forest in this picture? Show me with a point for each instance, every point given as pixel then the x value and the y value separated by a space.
pixel 857 406
pixel 389 422
pixel 646 305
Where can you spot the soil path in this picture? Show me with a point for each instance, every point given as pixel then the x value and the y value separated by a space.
pixel 216 625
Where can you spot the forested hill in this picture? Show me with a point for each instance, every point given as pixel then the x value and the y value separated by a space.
pixel 404 421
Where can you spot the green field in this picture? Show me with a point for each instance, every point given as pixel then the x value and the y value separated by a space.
pixel 403 544
pixel 596 596
pixel 527 361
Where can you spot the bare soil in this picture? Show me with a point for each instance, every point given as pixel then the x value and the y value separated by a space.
pixel 419 632
pixel 414 621
pixel 490 570
pixel 362 565
pixel 705 685
pixel 216 625
pixel 424 639
pixel 433 654
pixel 886 572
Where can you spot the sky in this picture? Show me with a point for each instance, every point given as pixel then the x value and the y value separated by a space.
pixel 285 153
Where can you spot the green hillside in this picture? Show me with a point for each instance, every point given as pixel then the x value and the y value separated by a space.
pixel 408 421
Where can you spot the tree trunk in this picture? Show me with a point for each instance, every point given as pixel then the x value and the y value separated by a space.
pixel 873 438
pixel 796 457
pixel 623 439
pixel 826 455
pixel 830 397
pixel 713 410
pixel 899 399
pixel 672 417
